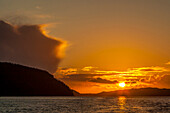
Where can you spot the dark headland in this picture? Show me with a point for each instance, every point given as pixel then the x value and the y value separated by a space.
pixel 18 80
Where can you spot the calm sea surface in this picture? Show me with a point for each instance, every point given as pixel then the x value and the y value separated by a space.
pixel 85 104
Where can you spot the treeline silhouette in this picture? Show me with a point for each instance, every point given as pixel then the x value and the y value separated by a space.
pixel 18 80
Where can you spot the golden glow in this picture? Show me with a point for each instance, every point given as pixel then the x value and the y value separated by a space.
pixel 122 102
pixel 61 49
pixel 122 84
pixel 43 30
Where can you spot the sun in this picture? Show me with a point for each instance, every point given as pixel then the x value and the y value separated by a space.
pixel 122 84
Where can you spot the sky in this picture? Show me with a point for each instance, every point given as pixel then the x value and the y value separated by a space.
pixel 111 38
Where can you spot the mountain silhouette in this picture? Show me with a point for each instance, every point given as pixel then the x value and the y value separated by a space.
pixel 18 80
pixel 134 92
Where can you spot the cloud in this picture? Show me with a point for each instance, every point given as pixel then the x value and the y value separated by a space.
pixel 79 77
pixel 87 78
pixel 28 45
pixel 168 63
pixel 164 82
pixel 88 68
pixel 149 69
pixel 100 80
pixel 27 17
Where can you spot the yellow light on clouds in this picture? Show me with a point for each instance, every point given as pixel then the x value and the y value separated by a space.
pixel 122 84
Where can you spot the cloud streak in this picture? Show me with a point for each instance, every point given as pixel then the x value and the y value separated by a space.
pixel 100 80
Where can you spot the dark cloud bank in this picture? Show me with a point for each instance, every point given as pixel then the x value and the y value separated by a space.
pixel 27 45
pixel 87 78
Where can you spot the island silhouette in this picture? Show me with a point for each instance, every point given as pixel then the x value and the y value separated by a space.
pixel 18 80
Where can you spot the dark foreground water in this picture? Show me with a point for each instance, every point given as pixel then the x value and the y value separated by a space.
pixel 85 104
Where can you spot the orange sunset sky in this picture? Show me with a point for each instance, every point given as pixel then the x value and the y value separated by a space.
pixel 106 44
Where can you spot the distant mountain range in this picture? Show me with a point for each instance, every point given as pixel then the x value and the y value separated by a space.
pixel 18 80
pixel 133 92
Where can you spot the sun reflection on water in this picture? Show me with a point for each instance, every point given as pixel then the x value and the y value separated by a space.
pixel 122 102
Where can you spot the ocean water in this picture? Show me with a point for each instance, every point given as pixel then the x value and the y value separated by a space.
pixel 85 104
